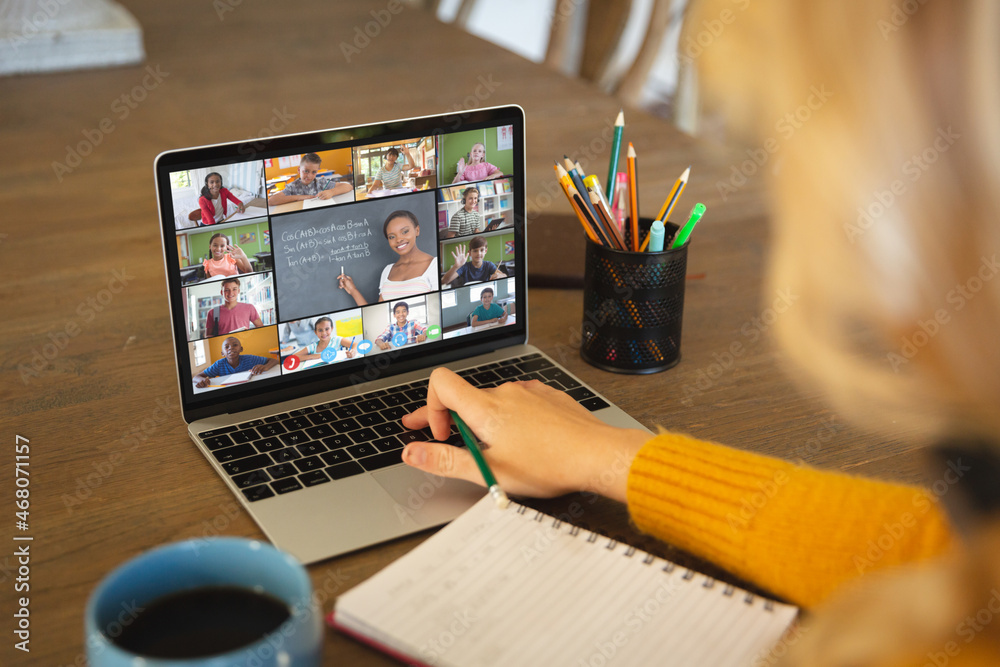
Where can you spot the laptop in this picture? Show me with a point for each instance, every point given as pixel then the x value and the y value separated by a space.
pixel 303 332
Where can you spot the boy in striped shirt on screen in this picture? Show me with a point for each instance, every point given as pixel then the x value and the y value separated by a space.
pixel 414 331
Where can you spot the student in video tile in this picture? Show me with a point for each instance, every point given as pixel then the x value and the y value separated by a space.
pixel 214 201
pixel 323 328
pixel 477 169
pixel 471 265
pixel 466 219
pixel 308 185
pixel 232 315
pixel 415 331
pixel 415 272
pixel 234 362
pixel 488 312
pixel 390 174
pixel 227 259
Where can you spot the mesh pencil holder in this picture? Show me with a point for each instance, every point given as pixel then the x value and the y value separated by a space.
pixel 633 304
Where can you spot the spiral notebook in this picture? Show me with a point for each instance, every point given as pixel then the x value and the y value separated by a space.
pixel 518 587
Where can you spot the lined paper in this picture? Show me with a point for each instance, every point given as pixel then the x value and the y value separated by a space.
pixel 518 587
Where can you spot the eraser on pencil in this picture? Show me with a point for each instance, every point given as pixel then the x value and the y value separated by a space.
pixel 499 497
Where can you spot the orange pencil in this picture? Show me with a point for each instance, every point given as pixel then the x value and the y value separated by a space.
pixel 570 190
pixel 633 199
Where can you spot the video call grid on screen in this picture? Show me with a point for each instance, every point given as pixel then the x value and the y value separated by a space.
pixel 279 260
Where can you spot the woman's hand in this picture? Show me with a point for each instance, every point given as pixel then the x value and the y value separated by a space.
pixel 242 208
pixel 540 441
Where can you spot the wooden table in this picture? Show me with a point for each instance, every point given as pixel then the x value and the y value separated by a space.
pixel 88 373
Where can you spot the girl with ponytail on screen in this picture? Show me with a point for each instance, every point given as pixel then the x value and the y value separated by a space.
pixel 225 259
pixel 215 199
pixel 477 168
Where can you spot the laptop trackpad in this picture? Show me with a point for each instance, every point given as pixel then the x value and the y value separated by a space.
pixel 428 499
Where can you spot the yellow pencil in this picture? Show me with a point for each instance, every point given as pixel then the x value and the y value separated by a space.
pixel 668 205
pixel 674 195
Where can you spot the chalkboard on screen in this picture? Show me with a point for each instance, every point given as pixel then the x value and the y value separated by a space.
pixel 311 247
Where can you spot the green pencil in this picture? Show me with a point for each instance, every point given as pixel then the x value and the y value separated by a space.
pixel 499 497
pixel 616 147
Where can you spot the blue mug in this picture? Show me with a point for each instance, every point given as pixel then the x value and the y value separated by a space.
pixel 227 562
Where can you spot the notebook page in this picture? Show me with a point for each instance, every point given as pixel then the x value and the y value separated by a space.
pixel 233 378
pixel 504 587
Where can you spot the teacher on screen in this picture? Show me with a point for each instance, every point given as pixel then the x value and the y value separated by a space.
pixel 415 272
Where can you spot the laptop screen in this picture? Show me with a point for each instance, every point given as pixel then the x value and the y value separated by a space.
pixel 315 261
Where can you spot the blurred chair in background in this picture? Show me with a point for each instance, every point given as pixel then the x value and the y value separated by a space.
pixel 596 41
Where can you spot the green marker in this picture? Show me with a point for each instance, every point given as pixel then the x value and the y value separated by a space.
pixel 682 236
pixel 499 497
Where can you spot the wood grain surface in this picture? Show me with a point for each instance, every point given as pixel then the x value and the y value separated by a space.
pixel 87 371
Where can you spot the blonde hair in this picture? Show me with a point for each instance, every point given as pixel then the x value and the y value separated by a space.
pixel 885 203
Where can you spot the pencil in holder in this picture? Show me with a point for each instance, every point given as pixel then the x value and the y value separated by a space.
pixel 633 305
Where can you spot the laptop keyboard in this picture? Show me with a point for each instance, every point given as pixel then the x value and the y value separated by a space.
pixel 314 445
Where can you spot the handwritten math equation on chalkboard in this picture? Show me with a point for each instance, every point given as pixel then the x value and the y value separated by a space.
pixel 336 242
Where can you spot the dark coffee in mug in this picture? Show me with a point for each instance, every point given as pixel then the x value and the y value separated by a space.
pixel 201 622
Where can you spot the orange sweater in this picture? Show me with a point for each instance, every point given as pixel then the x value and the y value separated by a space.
pixel 798 532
